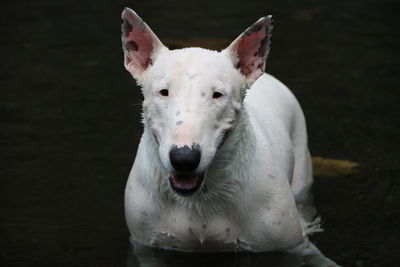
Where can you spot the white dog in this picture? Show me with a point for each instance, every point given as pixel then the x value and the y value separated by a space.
pixel 223 163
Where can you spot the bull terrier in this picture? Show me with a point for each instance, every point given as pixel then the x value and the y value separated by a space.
pixel 223 163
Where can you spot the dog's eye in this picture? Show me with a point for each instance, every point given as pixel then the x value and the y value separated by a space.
pixel 217 95
pixel 164 92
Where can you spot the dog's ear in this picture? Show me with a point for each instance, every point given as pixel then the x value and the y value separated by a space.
pixel 139 43
pixel 250 50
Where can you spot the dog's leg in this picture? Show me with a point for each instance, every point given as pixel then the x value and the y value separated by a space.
pixel 302 172
pixel 301 185
pixel 312 256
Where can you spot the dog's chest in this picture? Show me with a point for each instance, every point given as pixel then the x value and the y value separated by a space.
pixel 175 229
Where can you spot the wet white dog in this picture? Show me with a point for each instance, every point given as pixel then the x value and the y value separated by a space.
pixel 223 163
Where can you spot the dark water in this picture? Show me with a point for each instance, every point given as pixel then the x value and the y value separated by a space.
pixel 70 122
pixel 144 256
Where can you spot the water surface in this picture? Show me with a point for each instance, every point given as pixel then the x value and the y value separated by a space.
pixel 70 121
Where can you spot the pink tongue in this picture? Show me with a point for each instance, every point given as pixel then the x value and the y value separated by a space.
pixel 185 182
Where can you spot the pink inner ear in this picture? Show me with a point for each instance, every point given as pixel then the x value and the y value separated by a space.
pixel 253 47
pixel 138 40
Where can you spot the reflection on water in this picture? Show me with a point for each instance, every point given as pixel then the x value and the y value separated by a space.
pixel 141 256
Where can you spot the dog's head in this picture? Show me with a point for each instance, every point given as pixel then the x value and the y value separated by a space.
pixel 192 96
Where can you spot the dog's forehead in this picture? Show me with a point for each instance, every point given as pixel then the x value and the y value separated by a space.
pixel 192 63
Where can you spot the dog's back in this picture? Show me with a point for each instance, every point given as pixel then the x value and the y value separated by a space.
pixel 269 97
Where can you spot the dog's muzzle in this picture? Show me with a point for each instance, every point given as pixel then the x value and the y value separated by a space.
pixel 184 180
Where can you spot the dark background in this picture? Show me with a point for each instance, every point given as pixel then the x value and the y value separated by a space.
pixel 70 118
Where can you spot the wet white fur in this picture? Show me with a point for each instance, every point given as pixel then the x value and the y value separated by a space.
pixel 248 200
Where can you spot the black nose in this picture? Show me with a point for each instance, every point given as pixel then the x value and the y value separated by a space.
pixel 184 159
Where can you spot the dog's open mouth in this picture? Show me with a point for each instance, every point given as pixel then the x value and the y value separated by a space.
pixel 185 184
